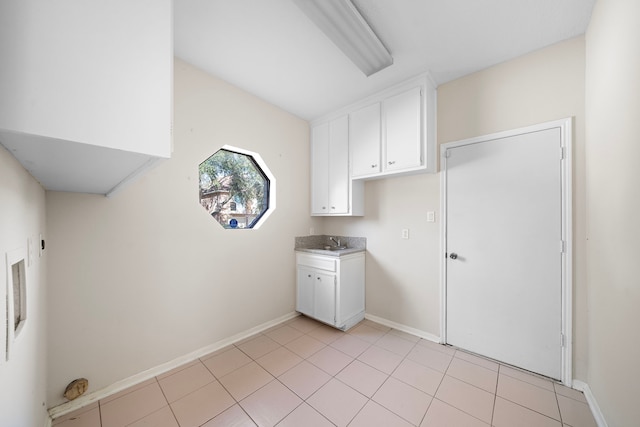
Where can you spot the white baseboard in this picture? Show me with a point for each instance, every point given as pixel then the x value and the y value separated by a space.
pixel 94 396
pixel 403 328
pixel 591 400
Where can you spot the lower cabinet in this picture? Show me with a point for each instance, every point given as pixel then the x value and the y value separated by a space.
pixel 331 289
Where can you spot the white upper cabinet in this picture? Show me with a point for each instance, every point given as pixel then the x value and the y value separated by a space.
pixel 402 130
pixel 389 133
pixel 332 191
pixel 393 132
pixel 86 89
pixel 364 140
pixel 320 169
pixel 339 166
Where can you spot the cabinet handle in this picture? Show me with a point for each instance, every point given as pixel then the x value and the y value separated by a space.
pixel 393 162
pixel 318 278
pixel 374 166
pixel 308 275
pixel 324 207
pixel 333 207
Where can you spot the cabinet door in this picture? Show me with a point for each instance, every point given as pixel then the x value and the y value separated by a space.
pixel 403 137
pixel 338 166
pixel 324 297
pixel 304 290
pixel 364 140
pixel 320 169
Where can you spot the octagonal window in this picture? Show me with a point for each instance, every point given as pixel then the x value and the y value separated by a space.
pixel 236 188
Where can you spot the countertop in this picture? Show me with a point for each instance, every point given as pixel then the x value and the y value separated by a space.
pixel 335 253
pixel 316 244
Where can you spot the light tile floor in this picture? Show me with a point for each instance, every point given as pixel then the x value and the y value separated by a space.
pixel 305 374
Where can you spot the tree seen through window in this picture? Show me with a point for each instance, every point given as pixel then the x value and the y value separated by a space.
pixel 233 189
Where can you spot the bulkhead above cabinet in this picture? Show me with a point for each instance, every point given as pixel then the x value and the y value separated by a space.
pixel 86 99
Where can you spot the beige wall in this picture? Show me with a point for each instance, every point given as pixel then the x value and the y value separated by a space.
pixel 146 276
pixel 23 377
pixel 613 203
pixel 403 275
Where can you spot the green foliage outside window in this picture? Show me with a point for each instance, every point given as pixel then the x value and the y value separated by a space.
pixel 227 179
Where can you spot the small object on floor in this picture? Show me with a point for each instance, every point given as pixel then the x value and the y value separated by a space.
pixel 76 388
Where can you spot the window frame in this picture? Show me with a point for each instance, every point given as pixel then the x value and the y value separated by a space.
pixel 270 191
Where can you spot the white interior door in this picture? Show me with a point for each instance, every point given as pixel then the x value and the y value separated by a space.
pixel 504 249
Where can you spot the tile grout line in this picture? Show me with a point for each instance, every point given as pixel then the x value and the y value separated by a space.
pixel 306 359
pixel 555 394
pixel 369 399
pixel 584 402
pixel 409 385
pixel 427 411
pixel 165 395
pixel 153 412
pixel 495 395
pixel 446 403
pixel 236 402
pixel 531 409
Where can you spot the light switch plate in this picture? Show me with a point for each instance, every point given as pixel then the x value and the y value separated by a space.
pixel 405 233
pixel 431 216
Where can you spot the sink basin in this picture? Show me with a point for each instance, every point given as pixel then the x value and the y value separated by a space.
pixel 334 248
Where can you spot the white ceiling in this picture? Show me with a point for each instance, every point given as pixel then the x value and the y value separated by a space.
pixel 271 49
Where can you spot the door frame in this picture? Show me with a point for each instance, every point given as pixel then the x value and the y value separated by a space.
pixel 566 142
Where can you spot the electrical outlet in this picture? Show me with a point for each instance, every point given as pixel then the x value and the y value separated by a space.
pixel 312 231
pixel 431 216
pixel 405 233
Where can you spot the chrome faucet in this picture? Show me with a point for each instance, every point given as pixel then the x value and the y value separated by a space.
pixel 333 239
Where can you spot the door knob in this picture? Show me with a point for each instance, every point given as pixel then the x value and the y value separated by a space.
pixel 453 255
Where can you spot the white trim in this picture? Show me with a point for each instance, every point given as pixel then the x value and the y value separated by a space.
pixel 4 319
pixel 403 328
pixel 566 141
pixel 13 334
pixel 65 408
pixel 272 181
pixel 591 400
pixel 566 138
pixel 443 247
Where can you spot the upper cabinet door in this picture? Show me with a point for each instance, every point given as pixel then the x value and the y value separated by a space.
pixel 364 140
pixel 320 169
pixel 402 130
pixel 332 192
pixel 339 166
